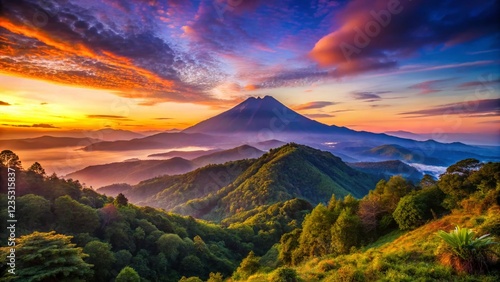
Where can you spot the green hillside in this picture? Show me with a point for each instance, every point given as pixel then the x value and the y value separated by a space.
pixel 67 232
pixel 169 191
pixel 218 191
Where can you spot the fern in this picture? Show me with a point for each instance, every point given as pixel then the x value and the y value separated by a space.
pixel 464 244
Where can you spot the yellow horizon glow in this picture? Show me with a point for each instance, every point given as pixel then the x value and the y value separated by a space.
pixel 67 107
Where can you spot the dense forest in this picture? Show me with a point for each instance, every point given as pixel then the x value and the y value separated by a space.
pixel 400 230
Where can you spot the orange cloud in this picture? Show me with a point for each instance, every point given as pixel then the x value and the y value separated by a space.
pixel 77 64
pixel 251 87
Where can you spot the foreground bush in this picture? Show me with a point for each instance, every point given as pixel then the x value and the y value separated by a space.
pixel 464 252
pixel 285 274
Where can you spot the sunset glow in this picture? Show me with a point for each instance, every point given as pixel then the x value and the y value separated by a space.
pixel 152 65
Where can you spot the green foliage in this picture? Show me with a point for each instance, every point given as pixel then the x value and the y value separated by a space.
pixel 291 171
pixel 409 213
pixel 102 258
pixel 375 210
pixel 247 267
pixel 190 279
pixel 285 274
pixel 34 212
pixel 270 221
pixel 289 243
pixel 49 257
pixel 128 274
pixel 120 200
pixel 193 265
pixel 346 232
pixel 469 250
pixel 415 209
pixel 427 181
pixel 170 245
pixel 215 277
pixel 122 258
pixel 455 183
pixel 315 239
pixel 73 217
pixel 163 246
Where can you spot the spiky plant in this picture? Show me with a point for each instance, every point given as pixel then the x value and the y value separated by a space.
pixel 468 253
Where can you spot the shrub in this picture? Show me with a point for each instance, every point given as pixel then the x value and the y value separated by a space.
pixel 346 273
pixel 409 213
pixel 464 252
pixel 285 274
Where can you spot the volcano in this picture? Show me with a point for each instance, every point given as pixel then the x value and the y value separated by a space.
pixel 257 114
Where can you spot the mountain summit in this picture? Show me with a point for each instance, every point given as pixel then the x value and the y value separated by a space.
pixel 256 114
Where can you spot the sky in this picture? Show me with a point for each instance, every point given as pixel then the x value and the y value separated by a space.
pixel 375 65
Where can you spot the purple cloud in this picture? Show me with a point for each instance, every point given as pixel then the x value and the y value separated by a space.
pixel 488 106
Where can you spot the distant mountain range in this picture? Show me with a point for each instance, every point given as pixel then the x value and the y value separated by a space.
pixel 386 169
pixel 157 141
pixel 188 155
pixel 134 171
pixel 105 134
pixel 482 139
pixel 217 191
pixel 259 120
pixel 130 171
pixel 46 142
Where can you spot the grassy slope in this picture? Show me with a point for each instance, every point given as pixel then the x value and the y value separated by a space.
pixel 291 171
pixel 398 256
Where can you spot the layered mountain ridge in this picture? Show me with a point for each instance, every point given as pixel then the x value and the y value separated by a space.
pixel 291 171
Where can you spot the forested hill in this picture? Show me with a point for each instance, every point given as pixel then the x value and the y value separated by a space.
pixel 66 232
pixel 81 235
pixel 218 191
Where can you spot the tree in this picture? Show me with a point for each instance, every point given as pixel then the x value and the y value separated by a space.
pixel 369 212
pixel 128 274
pixel 289 243
pixel 285 274
pixel 396 188
pixel 464 167
pixel 120 200
pixel 123 258
pixel 50 257
pixel 346 232
pixel 248 266
pixel 200 245
pixel 170 245
pixel 409 213
pixel 415 209
pixel 215 277
pixel 37 169
pixel 190 279
pixel 427 181
pixel 455 182
pixel 10 159
pixel 101 257
pixel 34 212
pixel 315 239
pixel 73 217
pixel 192 264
